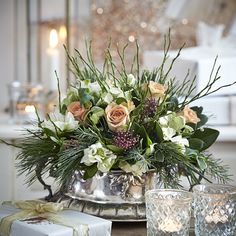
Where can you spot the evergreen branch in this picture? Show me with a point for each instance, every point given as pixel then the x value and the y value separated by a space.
pixel 217 171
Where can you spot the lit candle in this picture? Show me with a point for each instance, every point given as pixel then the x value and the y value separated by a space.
pixel 170 226
pixel 30 112
pixel 63 32
pixel 216 216
pixel 54 62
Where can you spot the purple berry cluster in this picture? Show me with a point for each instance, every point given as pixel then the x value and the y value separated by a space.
pixel 125 140
pixel 150 108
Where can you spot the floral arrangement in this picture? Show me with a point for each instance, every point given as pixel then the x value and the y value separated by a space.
pixel 126 119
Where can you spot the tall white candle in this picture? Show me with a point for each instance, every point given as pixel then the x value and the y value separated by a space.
pixel 54 60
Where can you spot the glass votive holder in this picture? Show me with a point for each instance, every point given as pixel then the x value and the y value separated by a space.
pixel 168 212
pixel 215 210
pixel 23 100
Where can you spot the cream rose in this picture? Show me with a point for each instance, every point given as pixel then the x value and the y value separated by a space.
pixel 77 110
pixel 155 89
pixel 129 104
pixel 117 116
pixel 189 115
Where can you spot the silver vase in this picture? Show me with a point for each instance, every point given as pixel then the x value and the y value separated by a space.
pixel 116 195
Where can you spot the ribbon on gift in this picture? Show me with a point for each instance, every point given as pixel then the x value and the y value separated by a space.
pixel 47 210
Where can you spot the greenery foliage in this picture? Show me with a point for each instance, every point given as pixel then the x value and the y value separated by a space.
pixel 125 118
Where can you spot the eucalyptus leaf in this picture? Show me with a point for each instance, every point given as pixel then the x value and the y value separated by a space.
pixel 84 96
pixel 159 156
pixel 201 163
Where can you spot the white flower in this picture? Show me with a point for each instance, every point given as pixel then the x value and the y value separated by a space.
pixel 150 149
pixel 116 92
pixel 96 153
pixel 182 142
pixel 168 133
pixel 136 169
pixel 62 122
pixel 107 97
pixel 93 87
pixel 131 79
pixel 164 120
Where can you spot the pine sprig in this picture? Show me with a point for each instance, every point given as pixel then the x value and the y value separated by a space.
pixel 217 171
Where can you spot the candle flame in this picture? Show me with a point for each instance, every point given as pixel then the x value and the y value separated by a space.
pixel 29 108
pixel 53 38
pixel 62 32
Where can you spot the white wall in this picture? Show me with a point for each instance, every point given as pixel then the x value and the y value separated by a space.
pixel 13 55
pixel 6 49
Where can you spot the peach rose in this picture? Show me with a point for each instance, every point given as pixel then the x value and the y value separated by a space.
pixel 117 116
pixel 156 90
pixel 77 110
pixel 189 115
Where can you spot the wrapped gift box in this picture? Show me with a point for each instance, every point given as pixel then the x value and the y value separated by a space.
pixel 199 61
pixel 89 225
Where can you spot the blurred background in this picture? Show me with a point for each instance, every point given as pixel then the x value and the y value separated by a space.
pixel 33 33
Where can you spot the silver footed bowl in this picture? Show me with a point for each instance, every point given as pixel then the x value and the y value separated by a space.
pixel 116 195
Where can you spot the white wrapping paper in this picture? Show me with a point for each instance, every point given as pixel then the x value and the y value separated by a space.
pixel 89 225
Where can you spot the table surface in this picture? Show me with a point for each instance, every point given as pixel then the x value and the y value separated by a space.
pixel 131 229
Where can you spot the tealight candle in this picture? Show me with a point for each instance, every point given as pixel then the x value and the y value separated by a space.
pixel 216 216
pixel 170 226
pixel 168 212
pixel 214 210
pixel 30 112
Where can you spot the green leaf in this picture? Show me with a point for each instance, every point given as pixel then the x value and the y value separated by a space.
pixel 63 109
pixel 197 109
pixel 196 143
pixel 120 100
pixel 90 171
pixel 159 133
pixel 201 163
pixel 173 103
pixel 95 114
pixel 207 135
pixel 176 123
pixel 137 111
pixel 140 130
pixel 114 148
pixel 49 132
pixel 203 118
pixel 159 156
pixel 84 96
